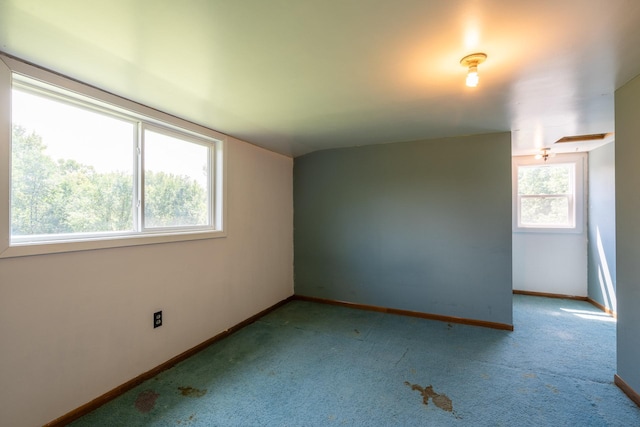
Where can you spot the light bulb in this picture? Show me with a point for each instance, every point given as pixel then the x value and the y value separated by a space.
pixel 471 63
pixel 472 78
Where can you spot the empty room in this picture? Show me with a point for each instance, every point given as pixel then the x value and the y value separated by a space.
pixel 310 213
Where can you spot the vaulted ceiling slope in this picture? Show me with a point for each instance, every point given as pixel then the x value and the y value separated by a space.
pixel 299 76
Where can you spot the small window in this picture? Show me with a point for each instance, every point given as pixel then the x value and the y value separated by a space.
pixel 548 196
pixel 87 171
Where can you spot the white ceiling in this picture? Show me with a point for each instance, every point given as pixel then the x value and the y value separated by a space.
pixel 296 76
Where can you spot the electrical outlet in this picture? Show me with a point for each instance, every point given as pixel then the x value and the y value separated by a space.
pixel 157 319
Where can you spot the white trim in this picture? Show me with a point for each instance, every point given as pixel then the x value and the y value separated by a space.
pixel 579 201
pixel 5 155
pixel 130 109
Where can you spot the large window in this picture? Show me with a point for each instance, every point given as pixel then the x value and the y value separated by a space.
pixel 84 169
pixel 548 195
pixel 72 168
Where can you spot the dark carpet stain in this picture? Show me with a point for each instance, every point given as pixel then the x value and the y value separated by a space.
pixel 192 392
pixel 191 418
pixel 440 400
pixel 146 401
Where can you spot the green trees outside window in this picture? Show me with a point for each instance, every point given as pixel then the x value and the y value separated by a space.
pixel 545 195
pixel 63 196
pixel 82 169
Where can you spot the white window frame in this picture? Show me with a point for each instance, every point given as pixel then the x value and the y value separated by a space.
pixel 579 160
pixel 210 194
pixel 154 119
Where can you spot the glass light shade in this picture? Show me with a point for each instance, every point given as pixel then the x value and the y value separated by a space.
pixel 472 78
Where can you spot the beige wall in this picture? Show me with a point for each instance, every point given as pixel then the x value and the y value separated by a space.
pixel 75 325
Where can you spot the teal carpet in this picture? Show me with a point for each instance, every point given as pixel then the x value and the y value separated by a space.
pixel 309 364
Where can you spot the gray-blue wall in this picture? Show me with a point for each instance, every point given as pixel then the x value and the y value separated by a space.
pixel 422 226
pixel 627 104
pixel 602 226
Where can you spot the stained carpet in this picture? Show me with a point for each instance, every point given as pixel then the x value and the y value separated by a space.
pixel 309 364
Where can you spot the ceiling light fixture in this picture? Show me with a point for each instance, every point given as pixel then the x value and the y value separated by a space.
pixel 544 154
pixel 471 62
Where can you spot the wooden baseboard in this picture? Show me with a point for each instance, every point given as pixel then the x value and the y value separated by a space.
pixel 603 308
pixel 110 395
pixel 449 319
pixel 549 295
pixel 633 395
pixel 587 299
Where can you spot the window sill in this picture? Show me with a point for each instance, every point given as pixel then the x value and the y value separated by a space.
pixel 550 230
pixel 40 248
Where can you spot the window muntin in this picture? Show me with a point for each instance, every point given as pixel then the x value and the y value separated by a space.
pixel 546 196
pixel 92 183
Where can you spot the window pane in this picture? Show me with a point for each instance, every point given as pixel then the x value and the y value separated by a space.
pixel 72 168
pixel 545 211
pixel 176 181
pixel 548 179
